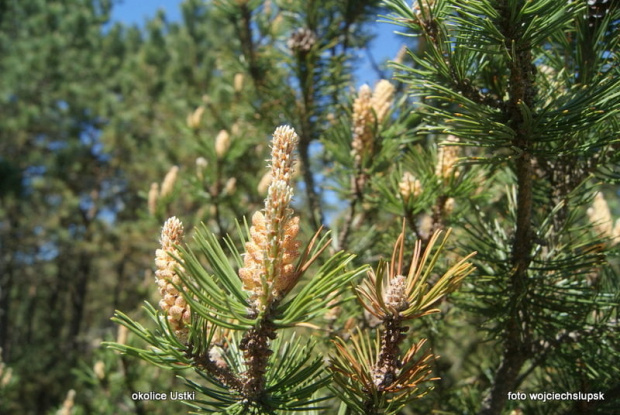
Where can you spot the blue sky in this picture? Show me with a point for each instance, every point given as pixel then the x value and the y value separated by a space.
pixel 138 11
pixel 385 46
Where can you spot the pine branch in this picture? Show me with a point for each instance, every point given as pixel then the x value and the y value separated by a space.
pixel 204 362
pixel 347 224
pixel 302 43
pixel 374 377
pixel 247 43
pixel 521 95
pixel 256 351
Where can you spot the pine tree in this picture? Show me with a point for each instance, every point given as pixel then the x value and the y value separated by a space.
pixel 342 278
pixel 243 361
pixel 507 136
pixel 530 90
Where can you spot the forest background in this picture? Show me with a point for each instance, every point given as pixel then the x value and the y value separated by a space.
pixel 106 130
